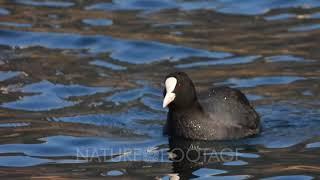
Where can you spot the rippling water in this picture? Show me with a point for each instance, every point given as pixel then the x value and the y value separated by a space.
pixel 81 86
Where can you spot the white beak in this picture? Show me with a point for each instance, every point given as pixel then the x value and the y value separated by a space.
pixel 170 84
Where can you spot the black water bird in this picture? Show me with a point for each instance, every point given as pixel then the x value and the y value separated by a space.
pixel 224 114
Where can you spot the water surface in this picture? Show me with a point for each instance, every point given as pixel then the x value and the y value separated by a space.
pixel 81 86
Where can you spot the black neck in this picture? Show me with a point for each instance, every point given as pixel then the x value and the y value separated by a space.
pixel 186 107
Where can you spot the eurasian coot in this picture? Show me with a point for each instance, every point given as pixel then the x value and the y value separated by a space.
pixel 224 114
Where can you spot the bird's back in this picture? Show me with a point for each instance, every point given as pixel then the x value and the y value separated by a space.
pixel 230 115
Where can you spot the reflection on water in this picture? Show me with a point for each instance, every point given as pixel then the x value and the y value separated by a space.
pixel 107 65
pixel 249 7
pixel 81 86
pixel 258 81
pixel 4 75
pixel 122 50
pixel 50 96
pixel 302 28
pixel 44 3
pixel 4 11
pixel 229 61
pixel 97 22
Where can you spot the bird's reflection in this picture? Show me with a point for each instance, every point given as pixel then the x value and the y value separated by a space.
pixel 190 155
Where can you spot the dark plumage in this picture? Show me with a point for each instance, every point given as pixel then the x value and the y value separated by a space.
pixel 225 114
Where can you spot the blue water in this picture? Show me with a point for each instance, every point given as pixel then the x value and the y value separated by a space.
pixel 81 86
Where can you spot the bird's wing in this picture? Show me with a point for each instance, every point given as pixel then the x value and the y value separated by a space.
pixel 231 107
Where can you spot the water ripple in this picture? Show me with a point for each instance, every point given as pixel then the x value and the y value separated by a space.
pixel 47 3
pixel 137 52
pixel 205 172
pixel 249 7
pixel 300 177
pixel 128 119
pixel 17 25
pixel 304 28
pixel 108 65
pixel 278 17
pixel 4 12
pixel 49 96
pixel 97 22
pixel 229 61
pixel 133 94
pixel 235 163
pixel 259 81
pixel 284 58
pixel 5 125
pixel 52 114
pixel 5 75
pixel 313 145
pixel 21 161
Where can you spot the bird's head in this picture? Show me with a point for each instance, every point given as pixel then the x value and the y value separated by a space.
pixel 179 91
